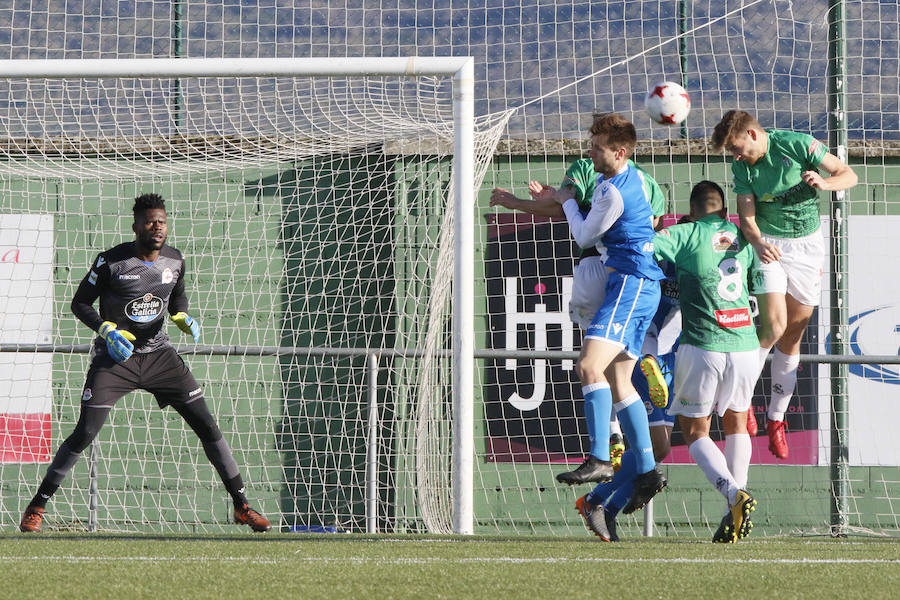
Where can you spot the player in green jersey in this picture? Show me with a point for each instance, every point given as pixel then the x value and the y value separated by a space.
pixel 776 178
pixel 590 275
pixel 716 363
pixel 579 184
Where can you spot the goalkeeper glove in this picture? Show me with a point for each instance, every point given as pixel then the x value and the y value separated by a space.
pixel 118 341
pixel 187 324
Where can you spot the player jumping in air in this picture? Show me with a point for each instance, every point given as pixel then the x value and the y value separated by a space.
pixel 621 220
pixel 588 291
pixel 590 275
pixel 137 283
pixel 776 178
pixel 601 506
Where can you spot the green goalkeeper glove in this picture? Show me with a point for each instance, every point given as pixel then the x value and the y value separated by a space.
pixel 118 341
pixel 187 324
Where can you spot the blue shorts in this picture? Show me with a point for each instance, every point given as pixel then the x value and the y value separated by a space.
pixel 656 416
pixel 626 312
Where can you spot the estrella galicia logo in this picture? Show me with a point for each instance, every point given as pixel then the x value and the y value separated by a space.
pixel 144 309
pixel 871 333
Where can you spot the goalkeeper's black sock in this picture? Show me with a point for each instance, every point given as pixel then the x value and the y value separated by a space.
pixel 45 491
pixel 235 487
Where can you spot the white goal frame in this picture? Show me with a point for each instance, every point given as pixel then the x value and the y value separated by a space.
pixel 461 70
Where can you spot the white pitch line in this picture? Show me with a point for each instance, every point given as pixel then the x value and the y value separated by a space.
pixel 422 561
pixel 149 559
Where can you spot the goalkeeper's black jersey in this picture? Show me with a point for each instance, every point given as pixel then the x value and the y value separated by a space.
pixel 134 295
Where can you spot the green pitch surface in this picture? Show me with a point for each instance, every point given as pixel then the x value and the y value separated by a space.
pixel 343 566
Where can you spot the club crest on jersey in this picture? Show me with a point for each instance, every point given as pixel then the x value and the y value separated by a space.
pixel 725 241
pixel 144 309
pixel 167 275
pixel 787 162
pixel 87 395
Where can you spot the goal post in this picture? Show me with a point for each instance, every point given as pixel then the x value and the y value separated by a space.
pixel 28 152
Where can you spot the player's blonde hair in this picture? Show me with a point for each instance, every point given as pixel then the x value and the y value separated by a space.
pixel 619 131
pixel 733 123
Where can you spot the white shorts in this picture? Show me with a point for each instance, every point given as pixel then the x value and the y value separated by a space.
pixel 798 272
pixel 707 381
pixel 588 289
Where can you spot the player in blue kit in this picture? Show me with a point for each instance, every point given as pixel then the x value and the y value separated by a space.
pixel 590 274
pixel 621 220
pixel 600 507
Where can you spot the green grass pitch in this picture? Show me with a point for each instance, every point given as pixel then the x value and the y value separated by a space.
pixel 70 565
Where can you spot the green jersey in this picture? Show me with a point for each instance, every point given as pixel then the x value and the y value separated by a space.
pixel 712 262
pixel 785 205
pixel 582 178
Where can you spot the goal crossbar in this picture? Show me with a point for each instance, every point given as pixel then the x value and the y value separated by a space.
pixel 413 66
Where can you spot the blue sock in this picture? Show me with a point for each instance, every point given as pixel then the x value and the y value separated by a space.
pixel 623 478
pixel 597 410
pixel 601 492
pixel 633 418
pixel 619 499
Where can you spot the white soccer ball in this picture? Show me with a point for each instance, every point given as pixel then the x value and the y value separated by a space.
pixel 667 103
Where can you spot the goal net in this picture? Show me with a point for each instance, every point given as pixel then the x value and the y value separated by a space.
pixel 770 58
pixel 316 216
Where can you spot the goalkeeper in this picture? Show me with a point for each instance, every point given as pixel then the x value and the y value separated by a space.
pixel 137 283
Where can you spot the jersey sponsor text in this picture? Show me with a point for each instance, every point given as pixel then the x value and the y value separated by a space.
pixel 733 317
pixel 144 309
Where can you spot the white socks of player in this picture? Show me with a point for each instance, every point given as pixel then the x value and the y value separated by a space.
pixel 763 353
pixel 713 464
pixel 784 379
pixel 614 427
pixel 737 455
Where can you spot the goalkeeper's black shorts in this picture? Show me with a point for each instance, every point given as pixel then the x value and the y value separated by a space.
pixel 161 372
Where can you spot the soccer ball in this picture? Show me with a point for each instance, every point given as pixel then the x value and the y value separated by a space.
pixel 667 103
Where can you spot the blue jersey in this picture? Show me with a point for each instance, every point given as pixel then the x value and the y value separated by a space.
pixel 621 220
pixel 629 241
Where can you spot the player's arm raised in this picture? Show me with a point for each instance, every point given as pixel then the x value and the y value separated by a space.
pixel 841 176
pixel 542 201
pixel 588 230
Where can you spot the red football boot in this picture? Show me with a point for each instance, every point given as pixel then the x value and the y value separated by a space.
pixel 777 442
